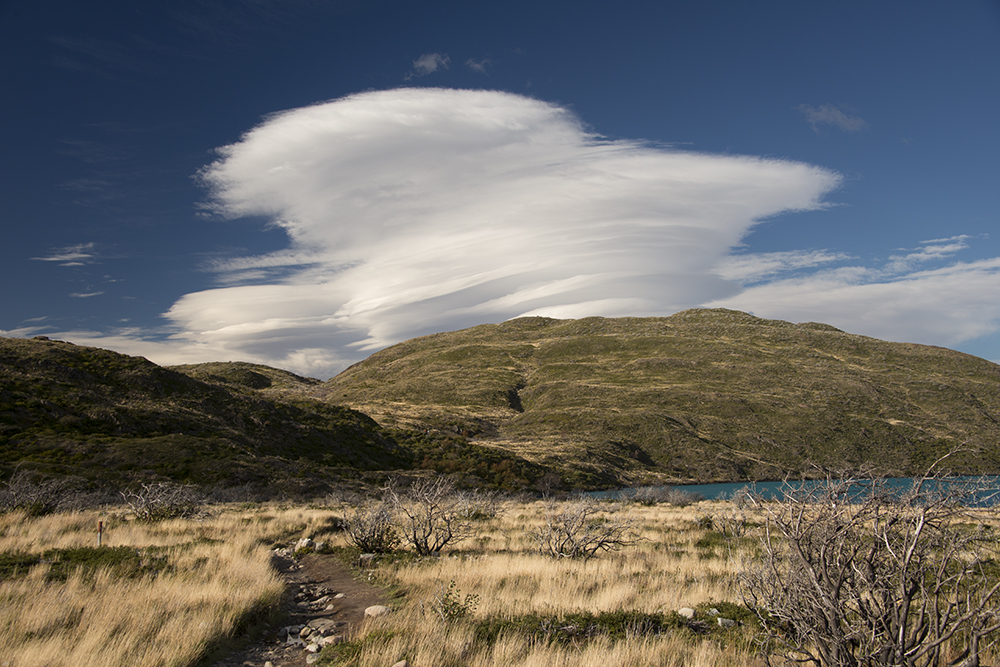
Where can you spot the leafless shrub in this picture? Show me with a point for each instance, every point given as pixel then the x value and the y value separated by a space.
pixel 370 528
pixel 157 501
pixel 735 519
pixel 479 505
pixel 855 574
pixel 582 529
pixel 668 495
pixel 24 491
pixel 430 514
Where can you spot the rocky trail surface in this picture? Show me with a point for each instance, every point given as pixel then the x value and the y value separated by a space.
pixel 325 604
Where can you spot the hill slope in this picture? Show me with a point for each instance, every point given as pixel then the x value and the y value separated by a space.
pixel 702 395
pixel 114 420
pixel 101 415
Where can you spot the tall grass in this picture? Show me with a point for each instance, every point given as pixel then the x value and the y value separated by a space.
pixel 205 582
pixel 502 566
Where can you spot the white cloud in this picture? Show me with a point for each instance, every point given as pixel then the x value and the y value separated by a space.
pixel 419 210
pixel 415 211
pixel 827 114
pixel 931 250
pixel 430 63
pixel 754 267
pixel 74 255
pixel 478 65
pixel 944 306
pixel 85 295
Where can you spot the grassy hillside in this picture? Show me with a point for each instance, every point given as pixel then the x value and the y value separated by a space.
pixel 68 409
pixel 113 420
pixel 703 395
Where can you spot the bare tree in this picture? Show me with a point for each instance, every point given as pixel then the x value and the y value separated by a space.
pixel 430 514
pixel 853 573
pixel 370 528
pixel 37 497
pixel 582 529
pixel 156 501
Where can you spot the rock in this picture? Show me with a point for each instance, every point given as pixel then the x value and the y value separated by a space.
pixel 323 626
pixel 339 596
pixel 376 610
pixel 726 622
pixel 305 632
pixel 366 560
pixel 312 658
pixel 304 543
pixel 313 648
pixel 686 612
pixel 402 663
pixel 322 600
pixel 714 612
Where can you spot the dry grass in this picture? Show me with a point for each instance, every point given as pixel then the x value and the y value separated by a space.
pixel 214 578
pixel 502 566
pixel 218 578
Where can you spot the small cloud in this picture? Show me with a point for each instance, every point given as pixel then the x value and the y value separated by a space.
pixel 931 250
pixel 429 63
pixel 828 114
pixel 77 295
pixel 756 267
pixel 74 255
pixel 478 65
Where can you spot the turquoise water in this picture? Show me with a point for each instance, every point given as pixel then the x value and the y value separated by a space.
pixel 987 488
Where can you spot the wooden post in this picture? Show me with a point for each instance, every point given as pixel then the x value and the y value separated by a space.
pixel 100 532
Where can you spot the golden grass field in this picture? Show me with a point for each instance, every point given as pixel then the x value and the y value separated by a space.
pixel 210 579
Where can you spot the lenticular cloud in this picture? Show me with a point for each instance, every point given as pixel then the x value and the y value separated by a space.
pixel 418 210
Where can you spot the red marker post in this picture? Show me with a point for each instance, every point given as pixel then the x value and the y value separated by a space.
pixel 100 532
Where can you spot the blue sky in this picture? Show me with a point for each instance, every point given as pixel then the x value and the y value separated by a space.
pixel 301 183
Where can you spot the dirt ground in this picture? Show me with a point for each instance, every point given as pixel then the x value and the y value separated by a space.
pixel 310 578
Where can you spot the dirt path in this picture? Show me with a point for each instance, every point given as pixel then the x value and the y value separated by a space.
pixel 323 591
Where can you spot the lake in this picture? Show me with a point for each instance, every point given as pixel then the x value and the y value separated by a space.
pixel 987 488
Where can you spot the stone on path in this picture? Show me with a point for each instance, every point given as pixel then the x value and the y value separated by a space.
pixel 376 610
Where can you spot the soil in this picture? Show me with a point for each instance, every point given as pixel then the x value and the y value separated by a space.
pixel 307 579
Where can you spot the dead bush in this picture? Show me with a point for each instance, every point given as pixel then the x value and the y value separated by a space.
pixel 855 573
pixel 582 529
pixel 370 527
pixel 430 514
pixel 157 501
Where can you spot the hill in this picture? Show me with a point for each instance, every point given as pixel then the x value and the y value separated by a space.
pixel 113 420
pixel 703 395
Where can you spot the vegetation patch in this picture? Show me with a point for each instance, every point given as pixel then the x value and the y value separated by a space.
pixel 121 562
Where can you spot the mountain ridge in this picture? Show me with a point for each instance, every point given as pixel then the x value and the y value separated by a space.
pixel 702 395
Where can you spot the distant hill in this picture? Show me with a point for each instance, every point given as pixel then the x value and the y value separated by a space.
pixel 113 420
pixel 703 395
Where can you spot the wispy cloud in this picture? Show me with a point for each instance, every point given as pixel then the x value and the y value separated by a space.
pixel 429 63
pixel 930 250
pixel 946 305
pixel 748 269
pixel 86 295
pixel 828 114
pixel 420 210
pixel 478 65
pixel 74 255
pixel 416 210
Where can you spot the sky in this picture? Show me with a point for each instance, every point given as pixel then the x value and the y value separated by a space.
pixel 302 183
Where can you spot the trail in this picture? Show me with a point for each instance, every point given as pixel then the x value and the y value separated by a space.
pixel 309 579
